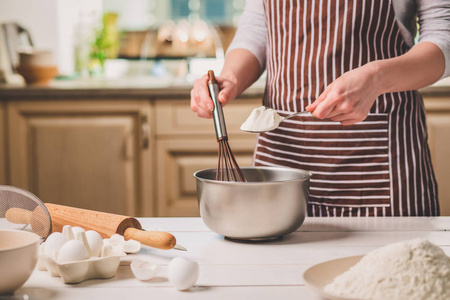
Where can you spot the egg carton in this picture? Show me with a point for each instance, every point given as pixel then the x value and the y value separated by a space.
pixel 76 255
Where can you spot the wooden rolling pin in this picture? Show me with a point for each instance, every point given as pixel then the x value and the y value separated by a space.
pixel 105 224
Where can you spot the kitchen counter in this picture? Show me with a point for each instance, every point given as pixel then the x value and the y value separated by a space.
pixel 132 86
pixel 230 270
pixel 144 86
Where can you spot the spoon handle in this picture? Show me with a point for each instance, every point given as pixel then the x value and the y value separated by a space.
pixel 301 113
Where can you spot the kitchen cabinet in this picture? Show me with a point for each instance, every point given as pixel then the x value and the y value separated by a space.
pixel 133 156
pixel 131 148
pixel 89 154
pixel 186 143
pixel 438 125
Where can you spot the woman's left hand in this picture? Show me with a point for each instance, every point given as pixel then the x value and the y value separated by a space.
pixel 349 98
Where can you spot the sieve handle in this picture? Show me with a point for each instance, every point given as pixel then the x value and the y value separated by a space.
pixel 18 215
pixel 38 219
pixel 156 239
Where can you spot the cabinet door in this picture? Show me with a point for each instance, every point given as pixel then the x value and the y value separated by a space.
pixel 82 154
pixel 3 156
pixel 438 124
pixel 179 159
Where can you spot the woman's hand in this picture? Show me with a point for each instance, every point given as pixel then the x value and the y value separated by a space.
pixel 240 70
pixel 201 102
pixel 349 98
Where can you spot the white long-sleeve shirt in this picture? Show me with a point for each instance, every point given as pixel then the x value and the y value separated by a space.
pixel 433 18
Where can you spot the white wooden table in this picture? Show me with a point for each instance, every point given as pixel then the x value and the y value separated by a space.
pixel 230 270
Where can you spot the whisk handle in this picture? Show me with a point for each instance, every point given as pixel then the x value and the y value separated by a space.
pixel 219 119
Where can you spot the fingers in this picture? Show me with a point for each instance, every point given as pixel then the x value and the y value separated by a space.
pixel 326 105
pixel 350 122
pixel 224 96
pixel 201 102
pixel 336 106
pixel 338 113
pixel 227 91
pixel 324 111
pixel 199 111
pixel 346 119
pixel 203 92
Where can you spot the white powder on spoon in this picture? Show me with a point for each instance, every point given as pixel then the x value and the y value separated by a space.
pixel 262 119
pixel 412 270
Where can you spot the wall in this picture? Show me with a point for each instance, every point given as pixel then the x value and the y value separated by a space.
pixel 51 24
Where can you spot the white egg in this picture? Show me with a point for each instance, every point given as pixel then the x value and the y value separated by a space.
pixel 73 250
pixel 53 243
pixel 143 270
pixel 95 242
pixel 183 273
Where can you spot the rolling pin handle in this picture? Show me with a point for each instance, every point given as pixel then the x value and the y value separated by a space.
pixel 156 239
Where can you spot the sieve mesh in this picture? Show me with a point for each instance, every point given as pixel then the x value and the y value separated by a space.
pixel 22 210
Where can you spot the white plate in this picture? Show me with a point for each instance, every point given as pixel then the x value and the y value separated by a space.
pixel 318 276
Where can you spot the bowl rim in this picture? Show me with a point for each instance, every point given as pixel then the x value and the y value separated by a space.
pixel 307 174
pixel 38 238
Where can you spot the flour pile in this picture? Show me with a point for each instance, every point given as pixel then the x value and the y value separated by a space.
pixel 262 119
pixel 415 269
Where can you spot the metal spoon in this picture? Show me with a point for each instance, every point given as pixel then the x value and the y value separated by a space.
pixel 277 122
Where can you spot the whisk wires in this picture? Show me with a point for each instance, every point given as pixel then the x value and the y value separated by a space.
pixel 227 167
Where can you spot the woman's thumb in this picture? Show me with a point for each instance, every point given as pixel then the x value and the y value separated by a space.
pixel 224 96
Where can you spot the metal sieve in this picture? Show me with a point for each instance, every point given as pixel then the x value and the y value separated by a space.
pixel 22 210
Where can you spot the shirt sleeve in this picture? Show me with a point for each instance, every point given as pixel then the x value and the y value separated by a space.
pixel 434 22
pixel 251 31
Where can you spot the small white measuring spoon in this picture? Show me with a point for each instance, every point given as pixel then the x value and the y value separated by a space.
pixel 264 119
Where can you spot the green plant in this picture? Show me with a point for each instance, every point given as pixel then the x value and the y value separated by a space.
pixel 106 43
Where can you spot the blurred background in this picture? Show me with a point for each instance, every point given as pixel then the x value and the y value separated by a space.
pixel 112 38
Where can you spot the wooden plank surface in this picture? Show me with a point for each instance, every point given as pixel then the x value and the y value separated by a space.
pixel 230 270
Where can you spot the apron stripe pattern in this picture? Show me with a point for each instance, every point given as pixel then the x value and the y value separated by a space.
pixel 378 167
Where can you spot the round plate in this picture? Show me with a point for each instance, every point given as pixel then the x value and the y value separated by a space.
pixel 320 275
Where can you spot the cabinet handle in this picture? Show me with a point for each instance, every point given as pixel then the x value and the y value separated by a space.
pixel 145 132
pixel 129 153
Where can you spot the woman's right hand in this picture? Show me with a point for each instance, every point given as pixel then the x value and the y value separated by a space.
pixel 201 102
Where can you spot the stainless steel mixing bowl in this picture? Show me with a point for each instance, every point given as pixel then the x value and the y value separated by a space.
pixel 272 202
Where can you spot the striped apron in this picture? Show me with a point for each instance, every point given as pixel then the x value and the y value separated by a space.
pixel 378 167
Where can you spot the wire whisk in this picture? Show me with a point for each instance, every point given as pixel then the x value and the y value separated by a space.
pixel 227 167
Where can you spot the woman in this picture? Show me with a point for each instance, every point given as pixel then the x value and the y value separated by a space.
pixel 354 65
